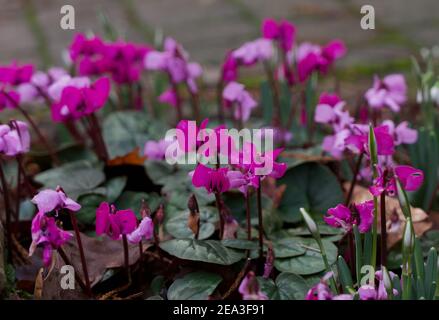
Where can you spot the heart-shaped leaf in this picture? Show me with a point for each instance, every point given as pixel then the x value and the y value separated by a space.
pixel 288 286
pixel 288 247
pixel 311 261
pixel 194 286
pixel 177 225
pixel 210 251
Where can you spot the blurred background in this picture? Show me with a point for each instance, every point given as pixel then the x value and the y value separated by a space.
pixel 30 29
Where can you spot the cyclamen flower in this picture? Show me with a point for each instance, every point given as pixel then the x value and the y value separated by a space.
pixel 335 144
pixel 15 74
pixel 9 99
pixel 145 230
pixel 14 138
pixel 235 93
pixel 402 133
pixel 190 133
pixel 358 141
pixel 283 32
pixel 156 150
pixel 321 291
pixel 115 223
pixel 46 234
pixel 78 102
pixel 390 92
pixel 54 200
pixel 411 180
pixel 216 180
pixel 229 69
pixel 253 52
pixel 342 217
pixel 249 288
pixel 330 109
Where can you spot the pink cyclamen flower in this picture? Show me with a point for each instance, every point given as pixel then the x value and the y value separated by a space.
pixel 249 288
pixel 189 133
pixel 49 200
pixel 235 93
pixel 156 150
pixel 253 52
pixel 145 230
pixel 411 180
pixel 390 92
pixel 402 133
pixel 216 180
pixel 283 32
pixel 229 69
pixel 330 109
pixel 14 138
pixel 114 223
pixel 15 74
pixel 367 292
pixel 342 217
pixel 46 234
pixel 358 141
pixel 169 96
pixel 78 102
pixel 9 99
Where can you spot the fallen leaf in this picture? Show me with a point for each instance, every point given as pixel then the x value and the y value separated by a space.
pixel 132 158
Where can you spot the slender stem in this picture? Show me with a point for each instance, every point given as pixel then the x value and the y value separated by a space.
pixel 275 94
pixel 354 178
pixel 248 215
pixel 81 251
pixel 260 222
pixel 126 257
pixel 8 211
pixel 326 263
pixel 17 193
pixel 383 229
pixel 358 252
pixel 41 137
pixel 221 219
pixel 68 262
pixel 374 232
pixel 195 99
pixel 100 140
pixel 178 100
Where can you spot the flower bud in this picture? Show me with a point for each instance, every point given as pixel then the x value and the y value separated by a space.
pixel 312 227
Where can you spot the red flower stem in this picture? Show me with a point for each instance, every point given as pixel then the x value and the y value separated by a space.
pixel 68 262
pixel 81 251
pixel 218 205
pixel 5 191
pixel 126 257
pixel 41 137
pixel 260 222
pixel 354 178
pixel 248 215
pixel 17 193
pixel 195 99
pixel 275 94
pixel 99 137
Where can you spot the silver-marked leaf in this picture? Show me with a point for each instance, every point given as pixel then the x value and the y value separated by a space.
pixel 288 286
pixel 194 286
pixel 177 225
pixel 288 247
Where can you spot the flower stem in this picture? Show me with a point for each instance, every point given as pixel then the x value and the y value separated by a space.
pixel 260 222
pixel 221 219
pixel 81 251
pixel 17 193
pixel 358 252
pixel 354 178
pixel 248 215
pixel 8 212
pixel 99 139
pixel 126 257
pixel 195 99
pixel 383 229
pixel 275 94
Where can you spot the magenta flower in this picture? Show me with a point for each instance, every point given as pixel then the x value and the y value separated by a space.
pixel 411 180
pixel 115 223
pixel 48 235
pixel 335 144
pixel 50 200
pixel 169 96
pixel 14 138
pixel 331 110
pixel 190 134
pixel 249 288
pixel 78 102
pixel 216 180
pixel 367 292
pixel 358 140
pixel 235 93
pixel 390 92
pixel 402 134
pixel 229 69
pixel 253 52
pixel 55 89
pixel 342 217
pixel 145 230
pixel 283 32
pixel 156 150
pixel 15 74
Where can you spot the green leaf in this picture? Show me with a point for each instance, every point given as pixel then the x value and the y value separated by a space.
pixel 114 188
pixel 311 186
pixel 288 247
pixel 431 274
pixel 157 284
pixel 194 286
pixel 159 171
pixel 133 200
pixel 288 286
pixel 344 274
pixel 311 261
pixel 76 178
pixel 240 244
pixel 177 225
pixel 89 203
pixel 210 251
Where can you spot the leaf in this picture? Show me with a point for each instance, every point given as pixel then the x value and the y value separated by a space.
pixel 311 186
pixel 288 286
pixel 210 251
pixel 178 228
pixel 194 286
pixel 240 244
pixel 76 178
pixel 158 171
pixel 133 200
pixel 124 131
pixel 89 203
pixel 311 261
pixel 288 247
pixel 114 188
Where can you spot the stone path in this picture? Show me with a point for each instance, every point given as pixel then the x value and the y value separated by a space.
pixel 30 28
